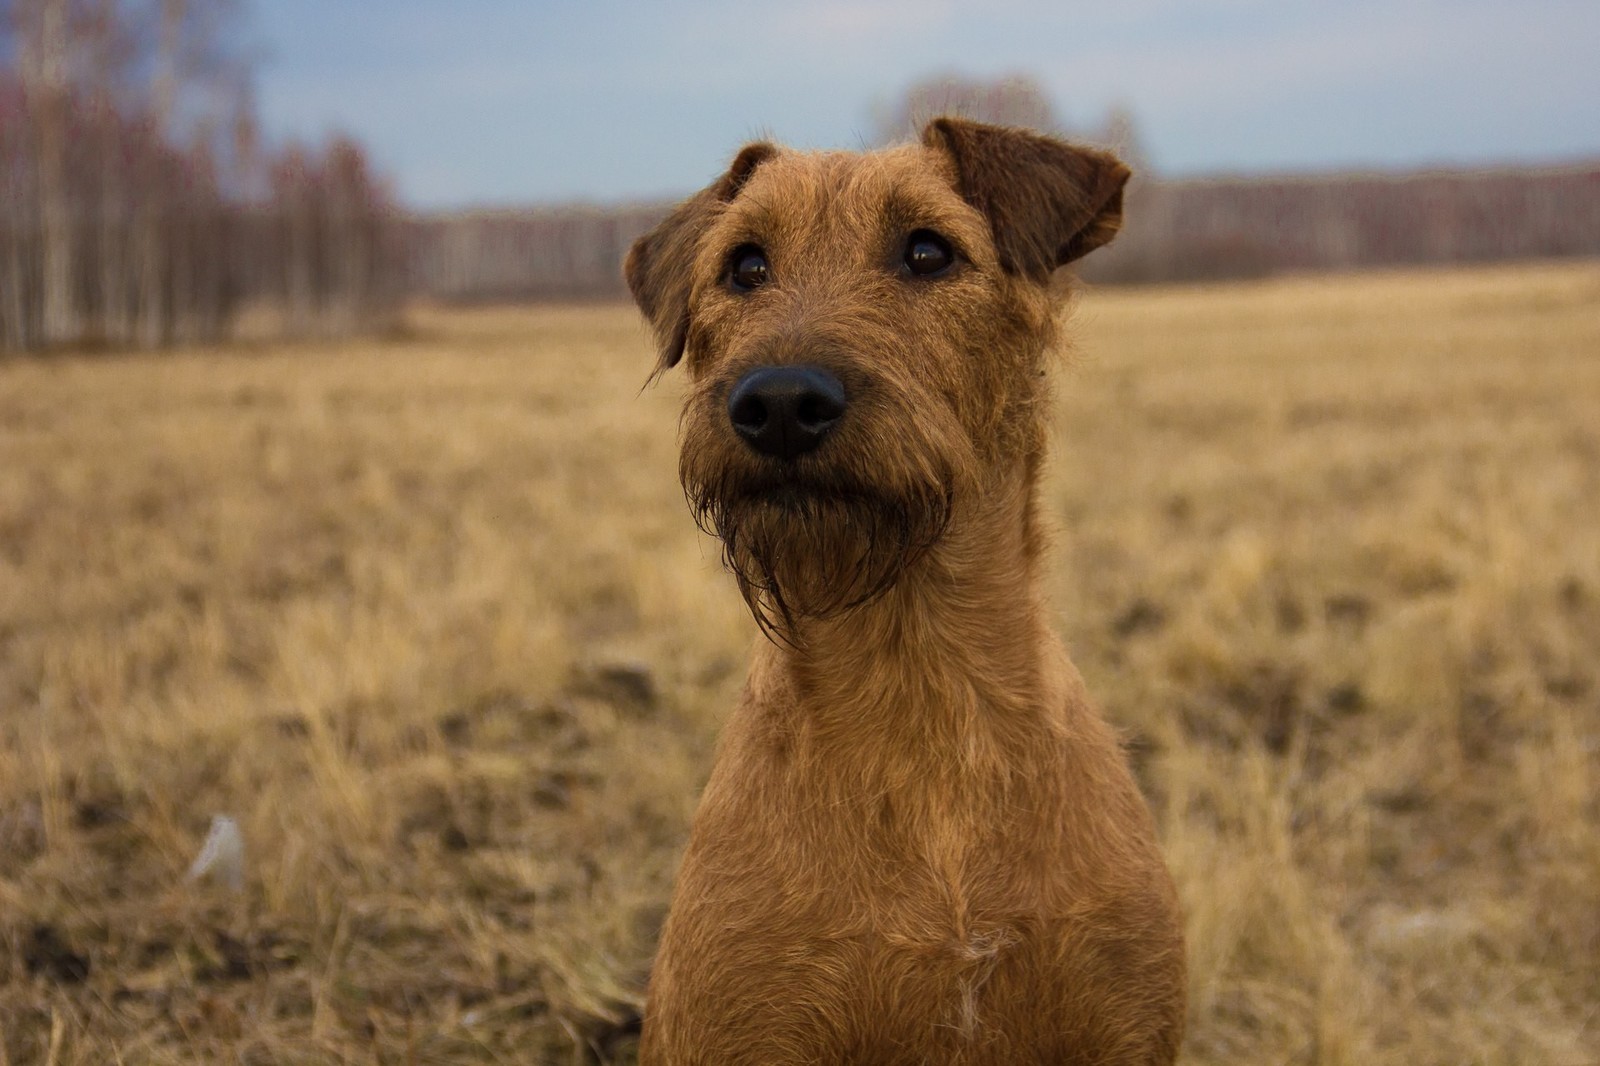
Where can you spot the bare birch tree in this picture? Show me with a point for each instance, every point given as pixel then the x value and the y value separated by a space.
pixel 137 203
pixel 44 67
pixel 1011 101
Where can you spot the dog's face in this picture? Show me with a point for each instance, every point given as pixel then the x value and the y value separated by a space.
pixel 864 336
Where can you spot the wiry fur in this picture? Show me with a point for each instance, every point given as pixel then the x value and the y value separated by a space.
pixel 920 842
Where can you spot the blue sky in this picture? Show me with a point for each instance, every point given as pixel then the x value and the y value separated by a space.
pixel 501 102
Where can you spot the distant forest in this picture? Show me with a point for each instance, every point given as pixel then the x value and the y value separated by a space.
pixel 140 206
pixel 1174 230
pixel 138 203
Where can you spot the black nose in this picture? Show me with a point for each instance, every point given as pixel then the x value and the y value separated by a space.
pixel 785 411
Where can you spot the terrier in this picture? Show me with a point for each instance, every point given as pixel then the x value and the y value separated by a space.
pixel 920 841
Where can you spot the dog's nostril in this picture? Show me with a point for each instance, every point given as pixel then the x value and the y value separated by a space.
pixel 811 411
pixel 748 412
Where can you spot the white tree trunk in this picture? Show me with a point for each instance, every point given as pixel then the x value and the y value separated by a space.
pixel 60 325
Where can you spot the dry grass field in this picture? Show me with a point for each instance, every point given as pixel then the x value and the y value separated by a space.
pixel 428 618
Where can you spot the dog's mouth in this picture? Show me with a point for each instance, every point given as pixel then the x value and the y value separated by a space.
pixel 806 546
pixel 799 495
pixel 786 496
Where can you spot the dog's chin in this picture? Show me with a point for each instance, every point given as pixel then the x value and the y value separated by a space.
pixel 805 551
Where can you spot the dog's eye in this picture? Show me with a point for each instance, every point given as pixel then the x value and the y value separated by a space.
pixel 928 254
pixel 747 268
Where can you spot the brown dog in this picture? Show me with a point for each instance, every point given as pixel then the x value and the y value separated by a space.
pixel 920 842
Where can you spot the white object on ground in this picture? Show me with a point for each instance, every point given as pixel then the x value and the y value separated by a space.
pixel 222 855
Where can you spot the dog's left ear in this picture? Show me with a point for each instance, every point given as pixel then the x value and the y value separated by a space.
pixel 658 266
pixel 1047 201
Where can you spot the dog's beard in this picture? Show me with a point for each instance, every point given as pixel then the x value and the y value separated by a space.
pixel 800 551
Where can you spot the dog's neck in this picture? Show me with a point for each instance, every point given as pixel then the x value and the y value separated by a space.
pixel 939 658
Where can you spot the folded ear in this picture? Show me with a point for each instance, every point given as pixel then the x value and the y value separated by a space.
pixel 658 266
pixel 1048 202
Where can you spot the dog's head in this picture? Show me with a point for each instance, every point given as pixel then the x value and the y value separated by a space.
pixel 864 335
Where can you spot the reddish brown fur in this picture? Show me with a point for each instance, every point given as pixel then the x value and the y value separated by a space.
pixel 920 842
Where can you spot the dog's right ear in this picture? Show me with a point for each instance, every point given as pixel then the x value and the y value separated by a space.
pixel 658 266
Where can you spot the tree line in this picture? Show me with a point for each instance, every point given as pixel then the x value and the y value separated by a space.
pixel 1173 231
pixel 139 204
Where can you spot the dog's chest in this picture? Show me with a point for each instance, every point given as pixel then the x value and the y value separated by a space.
pixel 898 919
pixel 941 904
pixel 970 980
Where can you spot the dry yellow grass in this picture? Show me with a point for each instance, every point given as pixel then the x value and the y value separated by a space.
pixel 428 619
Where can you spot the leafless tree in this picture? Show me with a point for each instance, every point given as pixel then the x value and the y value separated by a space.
pixel 139 205
pixel 46 89
pixel 1017 100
